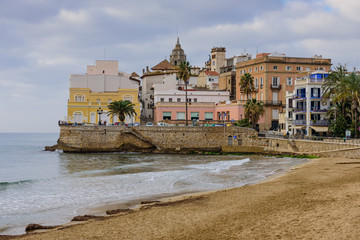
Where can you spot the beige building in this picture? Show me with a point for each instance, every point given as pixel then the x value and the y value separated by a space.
pixel 101 85
pixel 274 74
pixel 217 58
pixel 208 80
pixel 227 77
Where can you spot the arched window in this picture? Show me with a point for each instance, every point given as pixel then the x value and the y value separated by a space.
pixel 79 98
pixel 128 98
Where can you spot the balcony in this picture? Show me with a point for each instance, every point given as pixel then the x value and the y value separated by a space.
pixel 300 96
pixel 319 110
pixel 275 87
pixel 299 122
pixel 299 110
pixel 272 103
pixel 319 122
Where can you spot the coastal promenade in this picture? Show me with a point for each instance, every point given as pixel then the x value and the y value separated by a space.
pixel 318 200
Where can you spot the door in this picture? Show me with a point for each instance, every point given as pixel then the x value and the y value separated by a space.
pixel 230 140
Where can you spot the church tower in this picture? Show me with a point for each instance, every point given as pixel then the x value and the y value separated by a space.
pixel 177 56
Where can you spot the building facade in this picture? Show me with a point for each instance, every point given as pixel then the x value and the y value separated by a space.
pixel 170 105
pixel 227 77
pixel 217 58
pixel 274 74
pixel 101 85
pixel 305 107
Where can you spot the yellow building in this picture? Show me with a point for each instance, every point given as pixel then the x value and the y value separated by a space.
pixel 95 90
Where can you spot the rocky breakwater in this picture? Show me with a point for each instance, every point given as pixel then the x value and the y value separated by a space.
pixel 149 139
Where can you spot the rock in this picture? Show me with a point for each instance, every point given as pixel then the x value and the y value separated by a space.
pixel 85 218
pixel 116 211
pixel 33 226
pixel 51 148
pixel 149 202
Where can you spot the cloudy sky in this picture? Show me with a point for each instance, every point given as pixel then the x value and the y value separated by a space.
pixel 43 41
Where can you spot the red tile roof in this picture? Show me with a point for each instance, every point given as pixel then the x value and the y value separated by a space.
pixel 164 65
pixel 211 73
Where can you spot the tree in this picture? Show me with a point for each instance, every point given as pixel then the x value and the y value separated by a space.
pixel 253 111
pixel 247 84
pixel 344 88
pixel 121 109
pixel 184 74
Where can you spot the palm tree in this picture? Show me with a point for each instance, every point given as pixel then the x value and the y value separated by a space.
pixel 121 109
pixel 184 74
pixel 343 88
pixel 247 84
pixel 334 89
pixel 253 111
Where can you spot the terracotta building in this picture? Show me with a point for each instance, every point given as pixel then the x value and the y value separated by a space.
pixel 274 74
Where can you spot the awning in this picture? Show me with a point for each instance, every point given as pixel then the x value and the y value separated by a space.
pixel 320 128
pixel 297 127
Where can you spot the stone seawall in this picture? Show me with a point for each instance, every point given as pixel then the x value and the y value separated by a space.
pixel 150 139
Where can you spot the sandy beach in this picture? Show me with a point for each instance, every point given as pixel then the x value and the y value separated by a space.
pixel 318 200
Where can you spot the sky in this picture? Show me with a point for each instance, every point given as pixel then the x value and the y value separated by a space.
pixel 42 42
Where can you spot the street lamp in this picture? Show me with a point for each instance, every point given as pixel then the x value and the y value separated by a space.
pixel 100 111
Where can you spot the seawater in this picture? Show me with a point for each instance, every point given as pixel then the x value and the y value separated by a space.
pixel 52 187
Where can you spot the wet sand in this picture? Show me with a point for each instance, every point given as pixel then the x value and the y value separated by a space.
pixel 318 200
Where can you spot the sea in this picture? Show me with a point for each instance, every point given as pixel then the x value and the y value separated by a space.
pixel 50 188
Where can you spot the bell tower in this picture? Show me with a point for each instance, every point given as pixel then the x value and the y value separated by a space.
pixel 177 55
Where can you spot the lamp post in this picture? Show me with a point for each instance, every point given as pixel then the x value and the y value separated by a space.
pixel 100 111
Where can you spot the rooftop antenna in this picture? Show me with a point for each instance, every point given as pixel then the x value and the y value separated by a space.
pixel 257 50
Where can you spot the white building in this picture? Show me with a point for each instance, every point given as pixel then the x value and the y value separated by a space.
pixel 305 107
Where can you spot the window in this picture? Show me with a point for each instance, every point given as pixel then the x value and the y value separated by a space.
pixel 79 98
pixel 98 100
pixel 194 115
pixel 161 99
pixel 166 115
pixel 299 68
pixel 78 117
pixel 261 96
pixel 128 98
pixel 275 97
pixel 275 67
pixel 189 99
pixel 170 99
pixel 275 81
pixel 250 70
pixel 256 69
pixel 289 81
pixel 92 117
pixel 213 63
pixel 261 82
pixel 261 68
pixel 213 56
pixel 256 83
pixel 180 116
pixel 195 99
pixel 307 69
pixel 288 68
pixel 275 113
pixel 178 99
pixel 209 115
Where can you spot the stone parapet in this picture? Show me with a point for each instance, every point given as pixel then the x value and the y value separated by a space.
pixel 149 139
